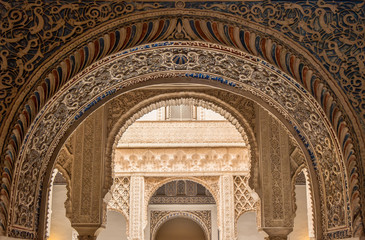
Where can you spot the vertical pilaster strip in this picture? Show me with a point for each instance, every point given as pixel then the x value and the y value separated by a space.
pixel 227 207
pixel 277 212
pixel 88 209
pixel 136 208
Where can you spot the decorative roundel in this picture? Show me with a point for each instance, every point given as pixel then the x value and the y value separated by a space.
pixel 180 59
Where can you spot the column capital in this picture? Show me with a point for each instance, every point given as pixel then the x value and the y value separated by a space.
pixel 88 232
pixel 277 233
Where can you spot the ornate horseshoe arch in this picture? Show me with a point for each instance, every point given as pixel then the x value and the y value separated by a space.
pixel 252 38
pixel 191 62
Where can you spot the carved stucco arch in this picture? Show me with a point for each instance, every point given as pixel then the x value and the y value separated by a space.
pixel 201 99
pixel 301 169
pixel 207 182
pixel 181 214
pixel 99 93
pixel 204 181
pixel 232 14
pixel 270 44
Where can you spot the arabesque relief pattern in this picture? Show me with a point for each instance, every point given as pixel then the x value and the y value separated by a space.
pixel 124 110
pixel 243 73
pixel 24 52
pixel 245 199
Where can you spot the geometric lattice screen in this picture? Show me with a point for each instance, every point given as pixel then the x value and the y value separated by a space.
pixel 244 198
pixel 120 196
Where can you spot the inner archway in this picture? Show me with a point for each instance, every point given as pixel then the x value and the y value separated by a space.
pixel 131 177
pixel 180 229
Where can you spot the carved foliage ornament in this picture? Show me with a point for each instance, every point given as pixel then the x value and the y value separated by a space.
pixel 33 32
pixel 234 69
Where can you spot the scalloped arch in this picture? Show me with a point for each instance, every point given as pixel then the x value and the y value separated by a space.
pixel 199 99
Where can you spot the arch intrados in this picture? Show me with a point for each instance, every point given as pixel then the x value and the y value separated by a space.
pixel 158 81
pixel 256 98
pixel 120 212
pixel 175 215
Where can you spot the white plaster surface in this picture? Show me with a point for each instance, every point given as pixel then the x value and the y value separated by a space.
pixel 60 225
pixel 115 227
pixel 247 227
pixel 300 231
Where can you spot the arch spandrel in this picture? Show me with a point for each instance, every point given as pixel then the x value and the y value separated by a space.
pixel 100 84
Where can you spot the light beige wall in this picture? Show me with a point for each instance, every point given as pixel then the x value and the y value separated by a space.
pixel 247 227
pixel 115 227
pixel 60 225
pixel 300 231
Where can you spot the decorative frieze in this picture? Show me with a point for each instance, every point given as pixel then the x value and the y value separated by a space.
pixel 171 161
